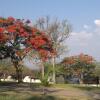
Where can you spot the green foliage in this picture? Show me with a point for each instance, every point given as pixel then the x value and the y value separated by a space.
pixel 44 81
pixel 60 69
pixel 47 72
pixel 97 69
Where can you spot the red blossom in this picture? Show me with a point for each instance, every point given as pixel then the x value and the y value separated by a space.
pixel 82 57
pixel 11 27
pixel 11 19
pixel 1 30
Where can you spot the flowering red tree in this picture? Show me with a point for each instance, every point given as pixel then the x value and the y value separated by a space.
pixel 17 38
pixel 82 57
pixel 79 65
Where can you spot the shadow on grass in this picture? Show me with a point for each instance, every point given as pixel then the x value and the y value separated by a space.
pixel 24 87
pixel 87 87
pixel 44 98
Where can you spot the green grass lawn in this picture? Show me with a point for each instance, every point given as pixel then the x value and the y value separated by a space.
pixel 13 91
pixel 24 97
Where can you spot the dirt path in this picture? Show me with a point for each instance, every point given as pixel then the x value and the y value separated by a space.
pixel 69 93
pixel 66 93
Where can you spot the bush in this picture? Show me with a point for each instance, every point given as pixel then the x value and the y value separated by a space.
pixel 44 82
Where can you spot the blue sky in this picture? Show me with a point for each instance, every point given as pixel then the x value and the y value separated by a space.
pixel 84 15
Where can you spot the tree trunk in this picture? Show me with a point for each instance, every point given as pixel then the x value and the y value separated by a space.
pixel 54 74
pixel 18 72
pixel 4 75
pixel 42 69
pixel 81 77
pixel 19 75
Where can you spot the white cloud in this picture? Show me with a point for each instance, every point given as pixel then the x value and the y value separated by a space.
pixel 97 22
pixel 86 40
pixel 82 35
pixel 80 39
pixel 97 28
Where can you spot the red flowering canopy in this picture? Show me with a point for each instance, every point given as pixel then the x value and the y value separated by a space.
pixel 17 38
pixel 80 64
pixel 82 58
